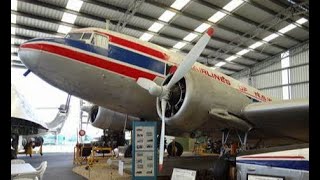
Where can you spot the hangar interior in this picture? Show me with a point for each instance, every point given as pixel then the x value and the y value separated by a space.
pixel 264 44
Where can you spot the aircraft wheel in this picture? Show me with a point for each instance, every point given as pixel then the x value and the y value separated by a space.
pixel 221 169
pixel 128 152
pixel 175 151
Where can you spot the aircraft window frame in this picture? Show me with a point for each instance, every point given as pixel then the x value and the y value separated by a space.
pixel 85 34
pixel 70 37
pixel 100 40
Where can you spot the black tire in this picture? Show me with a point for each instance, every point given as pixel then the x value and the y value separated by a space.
pixel 128 152
pixel 179 149
pixel 221 169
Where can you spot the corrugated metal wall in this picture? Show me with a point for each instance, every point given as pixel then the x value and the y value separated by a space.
pixel 300 75
pixel 269 79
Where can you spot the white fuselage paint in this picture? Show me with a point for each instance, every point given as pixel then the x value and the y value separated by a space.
pixel 110 89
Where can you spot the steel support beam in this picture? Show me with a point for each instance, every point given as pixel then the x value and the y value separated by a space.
pixel 244 19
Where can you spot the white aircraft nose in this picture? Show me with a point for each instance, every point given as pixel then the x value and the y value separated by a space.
pixel 29 56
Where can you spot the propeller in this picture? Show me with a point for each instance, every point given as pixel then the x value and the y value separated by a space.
pixel 162 92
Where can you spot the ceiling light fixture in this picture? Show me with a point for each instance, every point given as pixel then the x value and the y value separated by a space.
pixel 242 52
pixel 231 58
pixel 190 37
pixel 167 16
pixel 155 27
pixel 287 28
pixel 179 45
pixel 219 64
pixel 14 5
pixel 74 5
pixel 232 5
pixel 64 29
pixel 255 45
pixel 270 37
pixel 202 27
pixel 179 4
pixel 146 37
pixel 216 17
pixel 69 18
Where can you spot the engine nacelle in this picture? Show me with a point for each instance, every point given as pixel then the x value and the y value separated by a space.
pixel 107 119
pixel 194 96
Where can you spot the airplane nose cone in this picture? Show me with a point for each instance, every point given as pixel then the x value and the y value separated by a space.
pixel 29 53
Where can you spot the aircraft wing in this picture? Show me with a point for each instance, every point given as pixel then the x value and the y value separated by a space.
pixel 286 118
pixel 23 118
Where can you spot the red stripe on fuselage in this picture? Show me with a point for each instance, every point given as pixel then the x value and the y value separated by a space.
pixel 95 61
pixel 136 46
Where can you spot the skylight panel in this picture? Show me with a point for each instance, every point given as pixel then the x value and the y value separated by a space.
pixel 14 5
pixel 146 37
pixel 190 37
pixel 13 30
pixel 219 64
pixel 232 5
pixel 242 52
pixel 287 28
pixel 270 37
pixel 255 45
pixel 69 18
pixel 13 18
pixel 231 58
pixel 179 4
pixel 74 5
pixel 217 16
pixel 202 27
pixel 155 27
pixel 167 16
pixel 302 21
pixel 64 29
pixel 179 45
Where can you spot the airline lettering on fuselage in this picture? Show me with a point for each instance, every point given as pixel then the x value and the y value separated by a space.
pixel 213 75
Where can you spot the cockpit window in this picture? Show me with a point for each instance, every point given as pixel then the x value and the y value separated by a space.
pixel 75 36
pixel 100 40
pixel 86 36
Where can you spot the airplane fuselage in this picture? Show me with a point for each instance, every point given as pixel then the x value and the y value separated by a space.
pixel 106 75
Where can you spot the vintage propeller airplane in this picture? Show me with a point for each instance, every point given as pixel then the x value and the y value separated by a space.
pixel 113 71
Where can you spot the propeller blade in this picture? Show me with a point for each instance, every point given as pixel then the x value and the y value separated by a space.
pixel 191 58
pixel 152 87
pixel 163 107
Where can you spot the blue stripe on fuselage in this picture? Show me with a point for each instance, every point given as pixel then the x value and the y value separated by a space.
pixel 114 52
pixel 290 164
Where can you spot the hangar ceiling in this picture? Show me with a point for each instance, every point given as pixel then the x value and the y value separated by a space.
pixel 246 31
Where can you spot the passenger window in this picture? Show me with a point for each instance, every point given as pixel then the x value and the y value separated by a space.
pixel 100 40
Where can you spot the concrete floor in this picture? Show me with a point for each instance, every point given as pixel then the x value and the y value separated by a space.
pixel 59 165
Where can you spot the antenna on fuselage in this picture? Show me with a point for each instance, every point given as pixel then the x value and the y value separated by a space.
pixel 107 24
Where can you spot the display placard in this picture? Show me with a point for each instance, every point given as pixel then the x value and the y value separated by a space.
pixel 144 149
pixel 263 177
pixel 183 174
